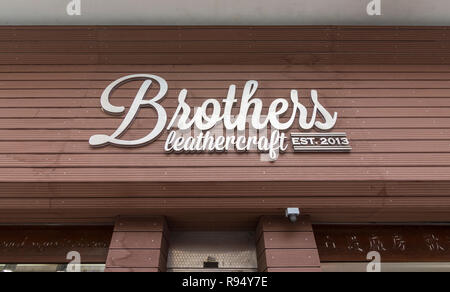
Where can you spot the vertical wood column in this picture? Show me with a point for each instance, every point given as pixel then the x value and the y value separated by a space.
pixel 283 246
pixel 138 245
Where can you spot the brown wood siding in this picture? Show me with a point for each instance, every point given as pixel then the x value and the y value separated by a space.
pixel 389 85
pixel 284 246
pixel 224 45
pixel 138 244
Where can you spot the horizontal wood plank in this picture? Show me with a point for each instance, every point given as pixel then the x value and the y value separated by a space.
pixel 235 46
pixel 292 258
pixel 339 102
pixel 140 224
pixel 242 68
pixel 255 204
pixel 221 74
pixel 149 123
pixel 133 258
pixel 262 189
pixel 83 135
pixel 232 160
pixel 241 220
pixel 221 174
pixel 288 240
pixel 203 93
pixel 136 240
pixel 207 84
pixel 206 45
pixel 53 113
pixel 46 147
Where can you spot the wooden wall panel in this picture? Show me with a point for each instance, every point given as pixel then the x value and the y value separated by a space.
pixel 224 45
pixel 389 85
pixel 138 244
pixel 283 246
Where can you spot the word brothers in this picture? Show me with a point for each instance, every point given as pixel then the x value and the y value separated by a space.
pixel 209 115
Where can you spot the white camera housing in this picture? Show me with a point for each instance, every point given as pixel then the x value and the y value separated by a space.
pixel 292 214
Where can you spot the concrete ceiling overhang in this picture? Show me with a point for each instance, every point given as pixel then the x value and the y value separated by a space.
pixel 225 12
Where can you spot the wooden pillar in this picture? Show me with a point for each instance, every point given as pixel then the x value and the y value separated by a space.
pixel 283 246
pixel 138 245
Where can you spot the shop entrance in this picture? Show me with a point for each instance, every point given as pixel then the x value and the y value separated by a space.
pixel 212 252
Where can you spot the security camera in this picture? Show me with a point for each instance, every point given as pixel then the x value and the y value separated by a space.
pixel 292 214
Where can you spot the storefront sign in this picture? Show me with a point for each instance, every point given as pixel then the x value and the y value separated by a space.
pixel 216 129
pixel 351 243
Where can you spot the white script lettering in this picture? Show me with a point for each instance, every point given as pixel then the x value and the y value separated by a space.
pixel 211 114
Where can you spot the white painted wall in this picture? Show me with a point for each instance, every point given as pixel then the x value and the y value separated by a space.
pixel 225 12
